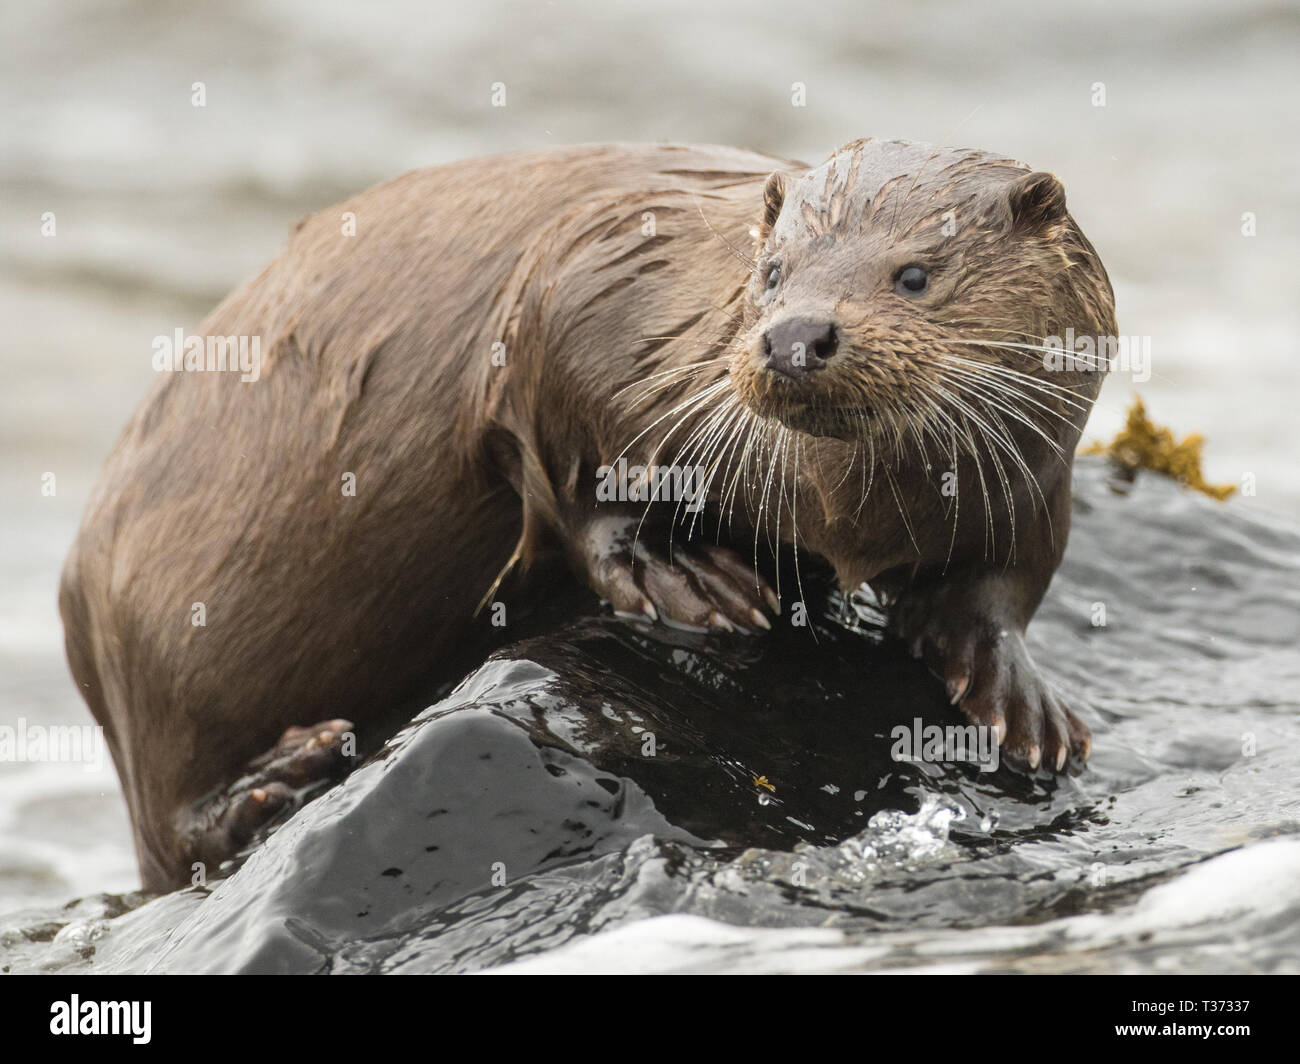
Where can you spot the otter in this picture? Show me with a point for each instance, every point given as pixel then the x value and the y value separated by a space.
pixel 852 355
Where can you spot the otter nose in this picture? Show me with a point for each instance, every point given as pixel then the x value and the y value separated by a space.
pixel 798 347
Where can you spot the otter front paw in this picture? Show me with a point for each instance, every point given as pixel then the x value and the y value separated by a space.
pixel 701 587
pixel 991 677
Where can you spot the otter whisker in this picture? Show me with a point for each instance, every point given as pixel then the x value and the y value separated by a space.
pixel 686 404
pixel 699 400
pixel 685 408
pixel 848 468
pixel 1031 480
pixel 657 393
pixel 670 379
pixel 956 495
pixel 694 441
pixel 869 467
pixel 1038 383
pixel 763 523
pixel 995 405
pixel 907 524
pixel 1003 386
pixel 730 443
pixel 741 465
pixel 726 434
pixel 794 530
pixel 780 452
pixel 1048 389
pixel 753 439
pixel 695 342
pixel 1004 397
pixel 716 431
pixel 742 432
pixel 967 416
pixel 1029 353
pixel 1003 438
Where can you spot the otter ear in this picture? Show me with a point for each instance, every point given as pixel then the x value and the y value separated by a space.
pixel 1036 202
pixel 773 198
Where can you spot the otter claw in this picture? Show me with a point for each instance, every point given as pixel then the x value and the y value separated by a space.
pixel 223 824
pixel 987 672
pixel 700 588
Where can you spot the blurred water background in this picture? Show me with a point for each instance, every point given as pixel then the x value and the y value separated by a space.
pixel 161 207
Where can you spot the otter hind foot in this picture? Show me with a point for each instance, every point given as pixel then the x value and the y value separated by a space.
pixel 305 759
pixel 700 586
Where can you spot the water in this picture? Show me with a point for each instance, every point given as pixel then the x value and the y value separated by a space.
pixel 162 207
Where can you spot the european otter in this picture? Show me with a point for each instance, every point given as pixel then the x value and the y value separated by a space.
pixel 851 354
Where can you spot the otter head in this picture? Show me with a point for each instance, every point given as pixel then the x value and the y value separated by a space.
pixel 904 287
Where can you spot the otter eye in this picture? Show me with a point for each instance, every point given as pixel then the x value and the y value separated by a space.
pixel 773 277
pixel 911 281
